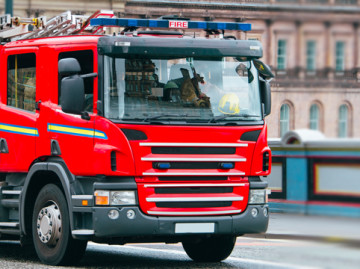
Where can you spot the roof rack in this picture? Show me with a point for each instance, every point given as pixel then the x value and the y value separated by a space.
pixel 16 28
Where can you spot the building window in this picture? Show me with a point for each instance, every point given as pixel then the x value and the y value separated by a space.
pixel 343 121
pixel 284 119
pixel 281 54
pixel 21 81
pixel 310 55
pixel 340 56
pixel 314 117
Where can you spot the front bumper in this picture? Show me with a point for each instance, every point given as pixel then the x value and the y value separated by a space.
pixel 152 227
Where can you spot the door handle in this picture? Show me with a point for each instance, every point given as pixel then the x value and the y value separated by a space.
pixel 3 146
pixel 37 105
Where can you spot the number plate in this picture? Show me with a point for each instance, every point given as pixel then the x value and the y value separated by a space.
pixel 181 228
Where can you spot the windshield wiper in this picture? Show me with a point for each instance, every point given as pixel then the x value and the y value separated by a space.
pixel 223 117
pixel 166 115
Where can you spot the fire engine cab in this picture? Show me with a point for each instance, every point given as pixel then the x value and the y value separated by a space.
pixel 142 136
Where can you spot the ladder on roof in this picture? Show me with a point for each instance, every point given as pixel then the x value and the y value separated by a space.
pixel 16 28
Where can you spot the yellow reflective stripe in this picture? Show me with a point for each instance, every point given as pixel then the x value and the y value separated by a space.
pixel 16 129
pixel 98 134
pixel 71 130
pixel 76 131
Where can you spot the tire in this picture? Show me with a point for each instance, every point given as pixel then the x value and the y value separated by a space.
pixel 213 249
pixel 51 231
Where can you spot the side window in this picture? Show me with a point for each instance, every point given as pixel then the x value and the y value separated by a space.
pixel 86 60
pixel 21 81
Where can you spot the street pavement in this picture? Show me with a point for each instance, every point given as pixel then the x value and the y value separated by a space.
pixel 294 226
pixel 291 242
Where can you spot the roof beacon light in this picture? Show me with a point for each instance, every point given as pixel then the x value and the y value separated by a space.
pixel 173 24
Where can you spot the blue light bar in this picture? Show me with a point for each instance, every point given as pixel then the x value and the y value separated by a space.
pixel 170 24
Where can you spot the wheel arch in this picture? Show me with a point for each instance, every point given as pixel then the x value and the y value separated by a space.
pixel 39 175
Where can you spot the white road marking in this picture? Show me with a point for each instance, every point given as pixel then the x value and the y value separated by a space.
pixel 243 261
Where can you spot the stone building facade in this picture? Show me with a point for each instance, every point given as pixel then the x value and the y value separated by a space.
pixel 312 46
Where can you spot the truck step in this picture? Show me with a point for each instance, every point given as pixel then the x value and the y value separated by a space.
pixel 11 192
pixel 83 232
pixel 9 224
pixel 10 228
pixel 10 203
pixel 10 231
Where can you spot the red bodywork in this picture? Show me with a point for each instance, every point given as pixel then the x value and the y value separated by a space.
pixel 91 156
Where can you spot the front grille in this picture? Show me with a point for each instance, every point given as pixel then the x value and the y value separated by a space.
pixel 193 179
pixel 193 150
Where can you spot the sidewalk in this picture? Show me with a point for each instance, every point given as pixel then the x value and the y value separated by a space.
pixel 285 226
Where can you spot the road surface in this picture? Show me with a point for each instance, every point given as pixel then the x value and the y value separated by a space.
pixel 248 253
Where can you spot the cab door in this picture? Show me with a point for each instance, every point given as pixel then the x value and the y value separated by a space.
pixel 71 136
pixel 17 109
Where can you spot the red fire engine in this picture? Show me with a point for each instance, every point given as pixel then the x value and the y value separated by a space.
pixel 131 137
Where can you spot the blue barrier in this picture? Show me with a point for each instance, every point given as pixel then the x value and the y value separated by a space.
pixel 315 175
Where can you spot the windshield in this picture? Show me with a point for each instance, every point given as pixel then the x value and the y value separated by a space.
pixel 181 89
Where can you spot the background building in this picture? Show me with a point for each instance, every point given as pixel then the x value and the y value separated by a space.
pixel 312 46
pixel 34 8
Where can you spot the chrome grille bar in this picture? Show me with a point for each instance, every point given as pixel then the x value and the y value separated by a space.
pixel 164 159
pixel 152 144
pixel 184 213
pixel 195 185
pixel 193 174
pixel 195 199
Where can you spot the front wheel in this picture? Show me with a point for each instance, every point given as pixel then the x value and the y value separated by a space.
pixel 51 231
pixel 212 249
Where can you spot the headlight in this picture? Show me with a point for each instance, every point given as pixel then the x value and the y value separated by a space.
pixel 122 198
pixel 115 197
pixel 258 197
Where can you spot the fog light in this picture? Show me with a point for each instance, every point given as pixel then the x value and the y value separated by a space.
pixel 113 214
pixel 254 212
pixel 130 214
pixel 266 212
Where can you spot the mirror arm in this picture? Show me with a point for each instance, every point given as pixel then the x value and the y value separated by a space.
pixel 85 115
pixel 90 75
pixel 263 78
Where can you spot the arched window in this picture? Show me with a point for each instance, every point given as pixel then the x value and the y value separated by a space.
pixel 284 119
pixel 343 121
pixel 314 117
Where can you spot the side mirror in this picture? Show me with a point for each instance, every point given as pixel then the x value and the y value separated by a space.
pixel 72 88
pixel 263 69
pixel 72 94
pixel 68 67
pixel 265 93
